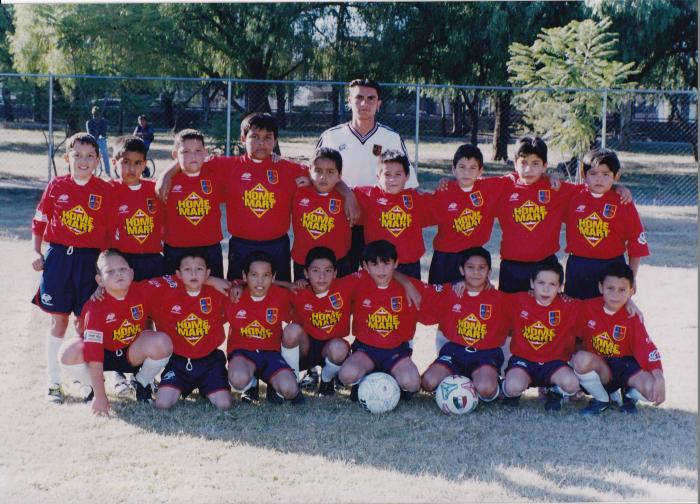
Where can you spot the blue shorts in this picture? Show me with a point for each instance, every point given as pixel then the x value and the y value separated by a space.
pixel 267 362
pixel 278 248
pixel 315 355
pixel 384 358
pixel 410 269
pixel 119 361
pixel 465 360
pixel 582 275
pixel 444 267
pixel 621 370
pixel 207 374
pixel 146 266
pixel 68 279
pixel 540 372
pixel 342 269
pixel 215 259
pixel 514 276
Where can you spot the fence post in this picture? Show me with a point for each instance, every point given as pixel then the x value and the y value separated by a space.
pixel 50 137
pixel 605 119
pixel 415 160
pixel 228 118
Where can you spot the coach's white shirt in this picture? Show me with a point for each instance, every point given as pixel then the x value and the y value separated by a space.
pixel 361 153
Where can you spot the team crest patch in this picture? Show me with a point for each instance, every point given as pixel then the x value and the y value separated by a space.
pixel 543 195
pixel 377 150
pixel 272 176
pixel 554 318
pixel 95 202
pixel 151 205
pixel 205 304
pixel 619 332
pixel 206 186
pixel 137 312
pixel 477 199
pixel 485 311
pixel 271 315
pixel 334 205
pixel 609 210
pixel 408 201
pixel 397 303
pixel 336 300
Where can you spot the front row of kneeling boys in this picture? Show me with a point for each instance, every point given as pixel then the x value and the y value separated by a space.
pixel 613 360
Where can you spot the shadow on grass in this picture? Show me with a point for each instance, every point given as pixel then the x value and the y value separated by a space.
pixel 534 454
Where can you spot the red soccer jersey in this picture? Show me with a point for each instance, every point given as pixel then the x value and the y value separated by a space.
pixel 481 322
pixel 192 213
pixel 259 196
pixel 603 228
pixel 319 220
pixel 465 218
pixel 397 218
pixel 616 335
pixel 195 324
pixel 112 324
pixel 74 215
pixel 136 220
pixel 257 325
pixel 543 333
pixel 531 218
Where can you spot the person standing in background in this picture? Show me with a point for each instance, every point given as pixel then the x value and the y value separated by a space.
pixel 97 127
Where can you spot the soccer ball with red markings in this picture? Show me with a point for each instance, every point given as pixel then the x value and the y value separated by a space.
pixel 378 393
pixel 456 395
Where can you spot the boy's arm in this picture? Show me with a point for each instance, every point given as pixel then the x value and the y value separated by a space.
pixel 624 193
pixel 658 392
pixel 37 257
pixel 634 266
pixel 220 284
pixel 412 294
pixel 352 207
pixel 100 403
pixel 165 180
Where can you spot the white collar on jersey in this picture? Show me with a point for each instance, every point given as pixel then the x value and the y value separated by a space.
pixel 363 138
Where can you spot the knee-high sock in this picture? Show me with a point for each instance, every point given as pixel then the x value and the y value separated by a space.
pixel 53 367
pixel 149 369
pixel 252 383
pixel 79 372
pixel 329 371
pixel 635 394
pixel 591 382
pixel 291 355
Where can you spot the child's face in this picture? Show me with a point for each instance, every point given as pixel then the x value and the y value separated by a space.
pixel 466 171
pixel 259 143
pixel 193 272
pixel 259 278
pixel 82 159
pixel 546 286
pixel 324 175
pixel 530 168
pixel 142 122
pixel 600 179
pixel 131 166
pixel 391 177
pixel 364 102
pixel 380 271
pixel 320 274
pixel 476 273
pixel 616 292
pixel 190 155
pixel 115 275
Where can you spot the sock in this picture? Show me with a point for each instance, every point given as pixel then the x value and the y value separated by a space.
pixel 252 383
pixel 440 340
pixel 503 389
pixel 559 390
pixel 79 372
pixel 591 382
pixel 635 394
pixel 291 355
pixel 149 369
pixel 53 367
pixel 489 399
pixel 329 371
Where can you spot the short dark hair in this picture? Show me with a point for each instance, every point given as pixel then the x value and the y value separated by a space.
pixel 531 145
pixel 188 134
pixel 598 156
pixel 395 156
pixel 364 82
pixel 258 256
pixel 110 252
pixel 320 253
pixel 617 270
pixel 468 151
pixel 128 143
pixel 552 266
pixel 261 121
pixel 379 251
pixel 331 155
pixel 82 138
pixel 142 117
pixel 195 253
pixel 475 251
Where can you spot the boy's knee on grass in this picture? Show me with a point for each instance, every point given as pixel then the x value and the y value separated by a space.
pixel 337 351
pixel 239 378
pixel 583 362
pixel 286 385
pixel 221 399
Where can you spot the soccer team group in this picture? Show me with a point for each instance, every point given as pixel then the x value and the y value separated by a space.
pixel 140 266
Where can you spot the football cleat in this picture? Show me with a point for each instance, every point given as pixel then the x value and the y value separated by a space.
pixel 122 387
pixel 326 389
pixel 353 393
pixel 299 399
pixel 553 401
pixel 310 380
pixel 272 396
pixel 616 397
pixel 143 394
pixel 86 393
pixel 594 408
pixel 629 406
pixel 55 394
pixel 406 395
pixel 251 395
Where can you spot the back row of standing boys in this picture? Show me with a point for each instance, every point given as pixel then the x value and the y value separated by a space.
pixel 80 215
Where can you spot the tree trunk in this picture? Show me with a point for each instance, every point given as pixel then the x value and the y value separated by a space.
pixel 280 91
pixel 256 97
pixel 473 109
pixel 501 128
pixel 166 100
pixel 335 98
pixel 443 117
pixel 205 105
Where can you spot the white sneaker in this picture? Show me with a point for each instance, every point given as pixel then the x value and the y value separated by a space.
pixel 55 394
pixel 122 388
pixel 616 397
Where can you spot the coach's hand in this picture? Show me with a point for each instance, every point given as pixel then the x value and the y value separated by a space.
pixel 38 262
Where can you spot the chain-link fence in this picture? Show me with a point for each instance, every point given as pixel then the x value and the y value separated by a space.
pixel 654 132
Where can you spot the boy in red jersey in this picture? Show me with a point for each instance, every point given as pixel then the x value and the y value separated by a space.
pixel 599 228
pixel 137 216
pixel 72 216
pixel 318 216
pixel 393 213
pixel 193 315
pixel 618 353
pixel 475 324
pixel 192 213
pixel 115 336
pixel 256 336
pixel 543 340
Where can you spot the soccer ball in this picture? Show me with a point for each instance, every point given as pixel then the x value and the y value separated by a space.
pixel 378 393
pixel 456 395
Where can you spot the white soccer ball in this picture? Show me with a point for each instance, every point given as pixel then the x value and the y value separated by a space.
pixel 456 395
pixel 378 393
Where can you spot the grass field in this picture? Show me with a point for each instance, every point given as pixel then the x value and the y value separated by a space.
pixel 329 450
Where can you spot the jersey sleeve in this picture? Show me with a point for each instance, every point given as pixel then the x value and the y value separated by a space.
pixel 643 349
pixel 93 336
pixel 426 201
pixel 44 211
pixel 433 298
pixel 362 196
pixel 636 237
